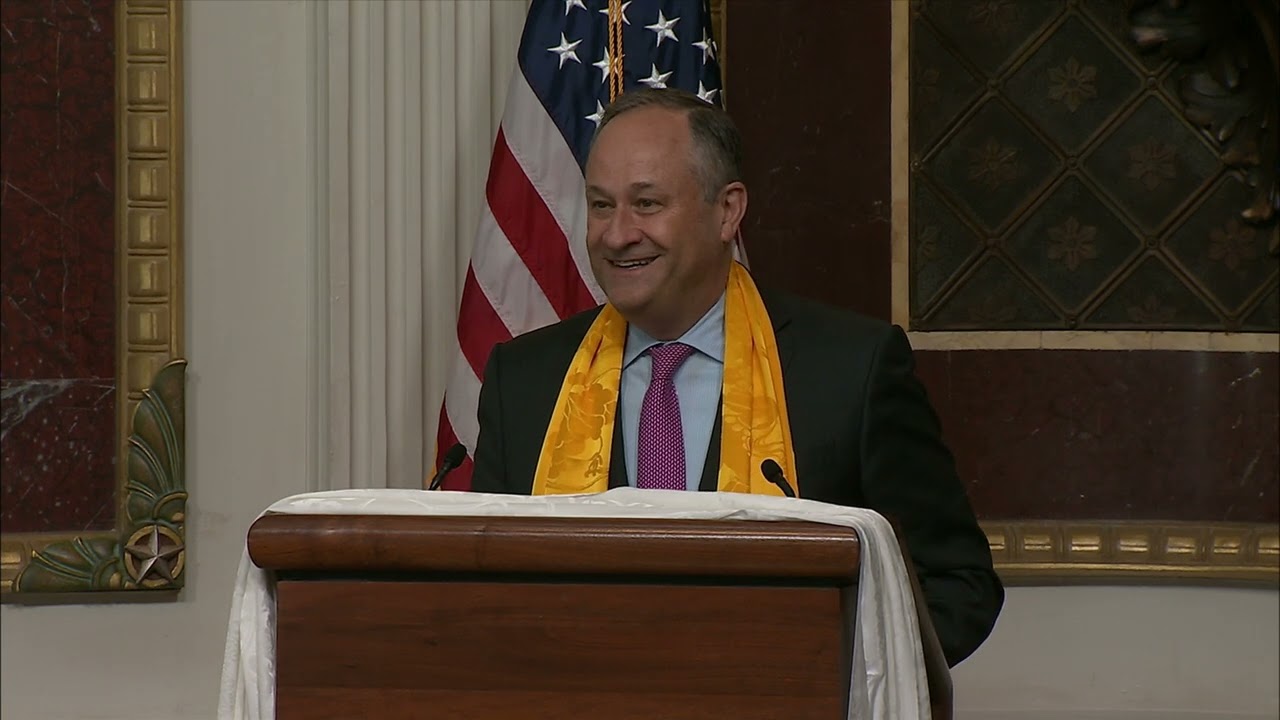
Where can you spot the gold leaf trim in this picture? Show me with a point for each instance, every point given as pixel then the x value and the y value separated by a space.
pixel 149 282
pixel 1081 550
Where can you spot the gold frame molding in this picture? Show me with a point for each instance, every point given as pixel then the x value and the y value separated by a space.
pixel 1031 553
pixel 1045 552
pixel 147 549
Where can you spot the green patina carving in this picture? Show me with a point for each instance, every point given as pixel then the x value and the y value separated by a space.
pixel 149 552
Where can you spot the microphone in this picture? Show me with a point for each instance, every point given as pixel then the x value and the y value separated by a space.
pixel 452 460
pixel 773 473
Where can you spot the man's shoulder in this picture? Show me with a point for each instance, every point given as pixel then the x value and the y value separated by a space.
pixel 823 322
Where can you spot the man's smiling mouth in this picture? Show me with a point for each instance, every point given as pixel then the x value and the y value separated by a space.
pixel 631 264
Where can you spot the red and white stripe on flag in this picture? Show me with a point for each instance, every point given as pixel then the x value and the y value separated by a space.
pixel 524 272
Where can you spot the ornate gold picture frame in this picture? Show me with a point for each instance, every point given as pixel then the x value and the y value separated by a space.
pixel 147 549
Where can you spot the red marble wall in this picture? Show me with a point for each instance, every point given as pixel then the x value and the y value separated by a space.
pixel 1129 435
pixel 57 275
pixel 809 87
pixel 1036 434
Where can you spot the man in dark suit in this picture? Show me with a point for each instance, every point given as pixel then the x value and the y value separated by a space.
pixel 665 200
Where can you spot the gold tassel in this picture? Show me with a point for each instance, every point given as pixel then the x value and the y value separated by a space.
pixel 615 49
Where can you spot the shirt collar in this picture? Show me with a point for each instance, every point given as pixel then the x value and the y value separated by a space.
pixel 706 336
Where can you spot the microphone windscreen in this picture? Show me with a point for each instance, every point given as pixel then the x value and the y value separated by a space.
pixel 771 469
pixel 455 456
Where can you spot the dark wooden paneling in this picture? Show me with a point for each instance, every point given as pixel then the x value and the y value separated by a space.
pixel 1152 435
pixel 478 616
pixel 497 650
pixel 590 546
pixel 808 84
pixel 324 704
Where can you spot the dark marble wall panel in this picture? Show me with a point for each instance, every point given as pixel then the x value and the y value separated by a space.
pixel 57 279
pixel 808 84
pixel 1139 435
pixel 56 454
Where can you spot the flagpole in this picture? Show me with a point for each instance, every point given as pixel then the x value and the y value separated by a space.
pixel 615 49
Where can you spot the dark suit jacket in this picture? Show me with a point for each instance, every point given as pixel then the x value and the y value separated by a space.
pixel 863 431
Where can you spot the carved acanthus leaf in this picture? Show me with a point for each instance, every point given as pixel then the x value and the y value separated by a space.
pixel 1229 83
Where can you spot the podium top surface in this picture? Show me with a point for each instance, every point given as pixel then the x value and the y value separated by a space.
pixel 796 551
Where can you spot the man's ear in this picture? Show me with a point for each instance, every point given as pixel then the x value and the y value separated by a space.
pixel 733 207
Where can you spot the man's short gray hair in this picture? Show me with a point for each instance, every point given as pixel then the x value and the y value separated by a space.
pixel 716 139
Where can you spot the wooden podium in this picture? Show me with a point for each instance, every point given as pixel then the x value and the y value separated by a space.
pixel 529 618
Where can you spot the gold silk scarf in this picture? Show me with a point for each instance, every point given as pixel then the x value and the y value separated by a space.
pixel 579 441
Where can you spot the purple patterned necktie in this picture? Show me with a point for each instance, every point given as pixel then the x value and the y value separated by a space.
pixel 660 451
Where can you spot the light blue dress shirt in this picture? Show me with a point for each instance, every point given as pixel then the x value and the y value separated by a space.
pixel 697 383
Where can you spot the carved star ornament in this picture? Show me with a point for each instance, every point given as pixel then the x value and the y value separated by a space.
pixel 154 555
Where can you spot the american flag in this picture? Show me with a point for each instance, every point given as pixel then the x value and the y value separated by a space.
pixel 529 265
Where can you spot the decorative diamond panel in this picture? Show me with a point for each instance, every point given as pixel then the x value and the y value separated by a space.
pixel 993 165
pixel 1072 244
pixel 941 246
pixel 994 295
pixel 1058 180
pixel 1086 84
pixel 1151 164
pixel 1112 19
pixel 941 87
pixel 1267 317
pixel 1152 295
pixel 988 33
pixel 1223 254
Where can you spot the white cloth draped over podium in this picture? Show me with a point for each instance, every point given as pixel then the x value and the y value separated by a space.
pixel 888 681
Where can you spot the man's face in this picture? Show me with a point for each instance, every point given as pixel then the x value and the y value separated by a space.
pixel 657 247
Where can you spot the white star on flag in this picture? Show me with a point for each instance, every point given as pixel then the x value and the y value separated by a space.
pixel 708 96
pixel 603 65
pixel 707 46
pixel 656 79
pixel 625 19
pixel 566 50
pixel 571 4
pixel 663 28
pixel 597 115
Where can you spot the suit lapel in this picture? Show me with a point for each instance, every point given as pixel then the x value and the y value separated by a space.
pixel 780 318
pixel 617 456
pixel 710 481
